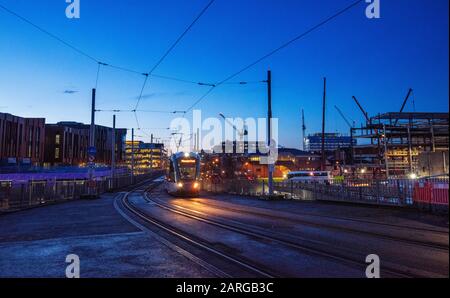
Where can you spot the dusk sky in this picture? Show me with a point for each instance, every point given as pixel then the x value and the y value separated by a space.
pixel 376 60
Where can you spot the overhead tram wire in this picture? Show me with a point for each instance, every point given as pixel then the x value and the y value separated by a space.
pixel 181 36
pixel 142 111
pixel 286 44
pixel 164 56
pixel 49 34
pixel 98 74
pixel 100 63
pixel 84 53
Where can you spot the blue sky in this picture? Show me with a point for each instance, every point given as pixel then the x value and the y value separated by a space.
pixel 375 60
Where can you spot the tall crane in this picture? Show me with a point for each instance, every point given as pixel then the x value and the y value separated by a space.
pixel 303 129
pixel 404 103
pixel 366 115
pixel 345 118
pixel 242 133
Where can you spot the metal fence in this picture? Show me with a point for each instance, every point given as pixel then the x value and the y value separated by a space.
pixel 392 192
pixel 16 195
pixel 236 186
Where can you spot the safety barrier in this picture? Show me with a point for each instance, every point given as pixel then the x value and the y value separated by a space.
pixel 431 194
pixel 17 195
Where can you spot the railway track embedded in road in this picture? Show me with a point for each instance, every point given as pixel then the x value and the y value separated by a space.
pixel 384 224
pixel 245 265
pixel 430 244
pixel 308 245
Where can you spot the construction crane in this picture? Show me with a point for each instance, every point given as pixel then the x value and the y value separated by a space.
pixel 303 129
pixel 404 103
pixel 241 133
pixel 345 118
pixel 366 115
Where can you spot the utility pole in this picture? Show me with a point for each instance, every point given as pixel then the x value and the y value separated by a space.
pixel 323 163
pixel 151 152
pixel 91 153
pixel 113 151
pixel 386 161
pixel 269 130
pixel 303 130
pixel 410 161
pixel 132 155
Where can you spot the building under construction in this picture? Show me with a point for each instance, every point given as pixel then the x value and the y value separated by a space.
pixel 393 144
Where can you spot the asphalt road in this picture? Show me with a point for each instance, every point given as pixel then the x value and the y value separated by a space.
pixel 225 236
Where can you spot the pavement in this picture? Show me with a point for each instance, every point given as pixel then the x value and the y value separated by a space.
pixel 34 243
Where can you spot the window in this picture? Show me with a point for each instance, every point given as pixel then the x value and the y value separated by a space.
pixel 56 153
pixel 58 139
pixel 37 142
pixel 30 142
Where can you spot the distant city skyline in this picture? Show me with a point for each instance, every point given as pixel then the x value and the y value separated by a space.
pixel 377 60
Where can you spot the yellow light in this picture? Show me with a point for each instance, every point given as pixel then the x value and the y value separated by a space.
pixel 196 185
pixel 188 161
pixel 413 176
pixel 180 185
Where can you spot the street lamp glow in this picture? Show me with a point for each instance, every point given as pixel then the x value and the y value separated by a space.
pixel 413 176
pixel 186 154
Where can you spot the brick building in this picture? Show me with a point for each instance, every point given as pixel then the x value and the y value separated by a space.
pixel 21 140
pixel 66 143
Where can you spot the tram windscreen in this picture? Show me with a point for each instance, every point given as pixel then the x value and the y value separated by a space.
pixel 188 169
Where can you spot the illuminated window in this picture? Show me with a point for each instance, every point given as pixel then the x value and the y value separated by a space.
pixel 57 139
pixel 56 153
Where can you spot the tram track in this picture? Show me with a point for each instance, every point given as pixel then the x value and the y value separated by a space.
pixel 307 245
pixel 406 240
pixel 382 224
pixel 246 265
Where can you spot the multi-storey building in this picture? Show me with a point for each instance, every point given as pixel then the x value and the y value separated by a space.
pixel 147 156
pixel 391 144
pixel 332 142
pixel 67 143
pixel 21 140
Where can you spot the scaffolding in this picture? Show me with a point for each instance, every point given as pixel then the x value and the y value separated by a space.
pixel 390 144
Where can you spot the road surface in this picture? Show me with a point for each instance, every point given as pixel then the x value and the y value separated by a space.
pixel 147 233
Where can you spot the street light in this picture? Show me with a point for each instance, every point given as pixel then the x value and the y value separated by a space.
pixel 413 176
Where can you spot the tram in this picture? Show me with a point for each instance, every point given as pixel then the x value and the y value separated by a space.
pixel 183 177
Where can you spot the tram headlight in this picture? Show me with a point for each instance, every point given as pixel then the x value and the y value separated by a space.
pixel 180 185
